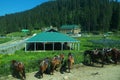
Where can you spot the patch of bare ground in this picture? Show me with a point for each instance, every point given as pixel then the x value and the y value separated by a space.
pixel 79 72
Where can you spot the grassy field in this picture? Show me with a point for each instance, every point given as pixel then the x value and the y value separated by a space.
pixel 3 40
pixel 22 34
pixel 16 35
pixel 31 59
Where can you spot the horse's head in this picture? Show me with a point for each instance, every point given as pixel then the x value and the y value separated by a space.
pixel 20 66
pixel 62 56
pixel 56 61
pixel 13 61
pixel 108 52
pixel 95 52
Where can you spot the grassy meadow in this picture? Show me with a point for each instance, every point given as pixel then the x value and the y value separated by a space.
pixel 3 40
pixel 31 59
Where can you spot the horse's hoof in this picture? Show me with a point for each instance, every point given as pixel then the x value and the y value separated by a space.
pixel 61 72
pixel 69 72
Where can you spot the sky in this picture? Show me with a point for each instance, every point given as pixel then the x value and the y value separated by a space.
pixel 13 6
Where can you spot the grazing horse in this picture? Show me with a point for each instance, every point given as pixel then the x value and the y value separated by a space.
pixel 70 61
pixel 18 69
pixel 94 56
pixel 56 62
pixel 114 54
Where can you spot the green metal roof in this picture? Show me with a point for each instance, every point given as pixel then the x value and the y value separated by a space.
pixel 24 30
pixel 51 37
pixel 69 26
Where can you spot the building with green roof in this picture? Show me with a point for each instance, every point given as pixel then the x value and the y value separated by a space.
pixel 70 29
pixel 51 40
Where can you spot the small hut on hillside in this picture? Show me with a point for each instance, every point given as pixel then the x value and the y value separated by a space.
pixel 51 40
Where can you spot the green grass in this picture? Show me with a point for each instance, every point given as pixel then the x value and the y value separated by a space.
pixel 22 34
pixel 3 40
pixel 16 34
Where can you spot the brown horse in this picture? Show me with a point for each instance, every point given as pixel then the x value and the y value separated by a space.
pixel 56 62
pixel 70 61
pixel 43 67
pixel 18 69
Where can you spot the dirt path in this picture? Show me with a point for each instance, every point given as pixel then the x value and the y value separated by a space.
pixel 11 46
pixel 109 72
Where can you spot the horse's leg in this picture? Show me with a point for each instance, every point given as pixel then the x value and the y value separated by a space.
pixel 115 58
pixel 38 74
pixel 115 61
pixel 92 62
pixel 62 69
pixel 52 68
pixel 24 73
pixel 14 73
pixel 42 74
pixel 102 62
pixel 21 75
pixel 42 71
pixel 55 68
pixel 92 59
pixel 69 67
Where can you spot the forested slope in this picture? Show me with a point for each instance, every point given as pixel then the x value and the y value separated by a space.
pixel 92 15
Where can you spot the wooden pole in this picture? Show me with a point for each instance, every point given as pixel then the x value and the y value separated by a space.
pixel 34 46
pixel 53 46
pixel 44 46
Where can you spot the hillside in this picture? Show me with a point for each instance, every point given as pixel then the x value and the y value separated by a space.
pixel 92 15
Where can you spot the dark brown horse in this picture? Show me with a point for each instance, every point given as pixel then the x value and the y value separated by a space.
pixel 70 61
pixel 18 69
pixel 87 57
pixel 94 56
pixel 56 62
pixel 114 54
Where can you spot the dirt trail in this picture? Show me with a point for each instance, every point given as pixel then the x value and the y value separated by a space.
pixel 109 72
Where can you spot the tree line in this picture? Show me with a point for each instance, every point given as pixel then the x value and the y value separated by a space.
pixel 92 15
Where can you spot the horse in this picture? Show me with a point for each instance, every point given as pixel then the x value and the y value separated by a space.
pixel 88 57
pixel 114 54
pixel 70 61
pixel 44 64
pixel 63 67
pixel 18 69
pixel 107 55
pixel 94 56
pixel 56 62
